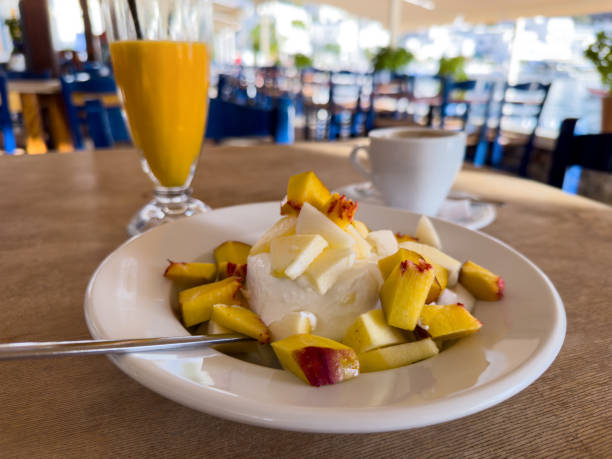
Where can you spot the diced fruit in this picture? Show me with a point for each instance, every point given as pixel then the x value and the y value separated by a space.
pixel 427 234
pixel 396 356
pixel 340 210
pixel 361 228
pixel 370 331
pixel 404 237
pixel 191 274
pixel 228 269
pixel 316 360
pixel 304 187
pixel 284 227
pixel 362 247
pixel 457 294
pixel 241 320
pixel 241 347
pixel 294 323
pixel 233 251
pixel 404 292
pixel 196 303
pixel 383 241
pixel 436 256
pixel 312 221
pixel 215 328
pixel 291 255
pixel 481 282
pixel 448 321
pixel 324 271
pixel 387 264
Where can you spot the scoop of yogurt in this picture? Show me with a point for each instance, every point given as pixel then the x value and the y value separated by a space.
pixel 354 292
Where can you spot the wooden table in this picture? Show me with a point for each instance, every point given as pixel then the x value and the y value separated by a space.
pixel 33 96
pixel 62 214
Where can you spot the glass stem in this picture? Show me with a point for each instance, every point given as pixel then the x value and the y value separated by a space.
pixel 172 200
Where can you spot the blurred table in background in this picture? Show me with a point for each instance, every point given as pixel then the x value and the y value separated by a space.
pixel 63 214
pixel 34 96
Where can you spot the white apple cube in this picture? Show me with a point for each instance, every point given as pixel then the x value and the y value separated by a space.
pixel 457 294
pixel 426 233
pixel 437 256
pixel 384 242
pixel 326 269
pixel 361 228
pixel 293 323
pixel 312 221
pixel 284 227
pixel 291 255
pixel 362 248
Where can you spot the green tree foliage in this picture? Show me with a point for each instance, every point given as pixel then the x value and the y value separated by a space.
pixel 453 67
pixel 302 61
pixel 600 54
pixel 393 59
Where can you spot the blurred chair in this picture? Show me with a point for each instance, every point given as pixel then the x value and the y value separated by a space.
pixel 313 102
pixel 228 119
pixel 592 151
pixel 346 113
pixel 6 124
pixel 390 98
pixel 457 99
pixel 94 103
pixel 524 102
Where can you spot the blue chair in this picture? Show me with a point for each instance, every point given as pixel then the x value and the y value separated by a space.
pixel 451 106
pixel 346 114
pixel 229 119
pixel 593 151
pixel 385 84
pixel 523 101
pixel 83 99
pixel 6 125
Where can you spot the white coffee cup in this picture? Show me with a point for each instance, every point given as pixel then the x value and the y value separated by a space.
pixel 413 167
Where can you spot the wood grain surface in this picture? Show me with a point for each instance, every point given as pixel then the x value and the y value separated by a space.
pixel 62 214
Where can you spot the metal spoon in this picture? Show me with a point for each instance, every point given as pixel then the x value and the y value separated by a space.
pixel 27 350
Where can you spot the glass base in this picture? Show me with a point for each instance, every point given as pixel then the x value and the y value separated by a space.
pixel 169 204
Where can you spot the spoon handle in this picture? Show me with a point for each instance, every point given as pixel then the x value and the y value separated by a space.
pixel 27 350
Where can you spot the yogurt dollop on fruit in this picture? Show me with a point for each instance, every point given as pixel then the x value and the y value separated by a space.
pixel 354 292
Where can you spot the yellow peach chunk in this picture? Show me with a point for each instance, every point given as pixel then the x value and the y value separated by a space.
pixel 340 210
pixel 448 321
pixel 241 320
pixel 404 292
pixel 304 187
pixel 370 331
pixel 196 303
pixel 317 360
pixel 386 358
pixel 187 275
pixel 481 282
pixel 232 251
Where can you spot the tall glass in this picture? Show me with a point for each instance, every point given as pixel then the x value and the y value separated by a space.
pixel 161 64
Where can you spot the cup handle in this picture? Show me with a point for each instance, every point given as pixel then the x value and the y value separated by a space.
pixel 357 165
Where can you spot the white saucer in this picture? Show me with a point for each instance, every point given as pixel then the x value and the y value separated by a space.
pixel 480 214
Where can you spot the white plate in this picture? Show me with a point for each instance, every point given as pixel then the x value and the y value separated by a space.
pixel 127 297
pixel 471 214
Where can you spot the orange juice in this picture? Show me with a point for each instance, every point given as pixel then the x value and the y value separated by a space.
pixel 164 86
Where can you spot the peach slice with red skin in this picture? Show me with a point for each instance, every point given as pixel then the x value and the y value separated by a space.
pixel 481 282
pixel 404 292
pixel 317 360
pixel 340 209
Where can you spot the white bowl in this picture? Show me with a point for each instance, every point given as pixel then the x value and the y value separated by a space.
pixel 127 297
